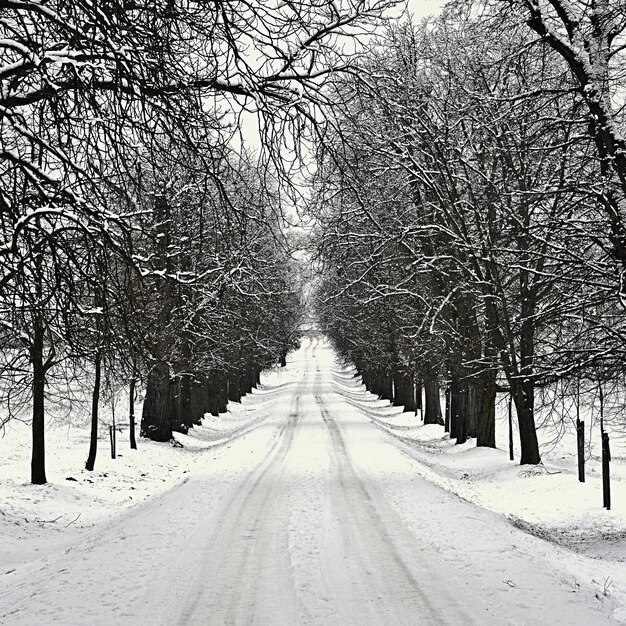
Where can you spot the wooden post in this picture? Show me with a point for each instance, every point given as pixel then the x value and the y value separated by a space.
pixel 511 454
pixel 111 439
pixel 112 432
pixel 131 417
pixel 580 434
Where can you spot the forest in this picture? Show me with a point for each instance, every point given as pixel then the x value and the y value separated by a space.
pixel 458 184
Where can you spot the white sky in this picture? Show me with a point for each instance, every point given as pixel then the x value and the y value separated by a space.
pixel 418 8
pixel 422 8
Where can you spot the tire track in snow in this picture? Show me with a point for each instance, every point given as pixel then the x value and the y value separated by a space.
pixel 384 588
pixel 247 541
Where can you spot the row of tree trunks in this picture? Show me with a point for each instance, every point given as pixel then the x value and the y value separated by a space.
pixel 472 397
pixel 473 407
pixel 472 371
pixel 380 383
pixel 404 389
pixel 176 403
pixel 398 387
pixel 243 381
pixel 464 406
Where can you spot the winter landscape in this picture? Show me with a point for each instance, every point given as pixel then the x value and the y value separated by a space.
pixel 311 502
pixel 312 312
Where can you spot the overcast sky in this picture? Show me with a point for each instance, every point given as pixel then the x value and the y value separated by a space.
pixel 422 8
pixel 419 9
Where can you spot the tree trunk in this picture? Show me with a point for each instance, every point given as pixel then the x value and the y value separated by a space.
pixel 524 386
pixel 468 351
pixel 38 459
pixel 173 401
pixel 398 387
pixel 418 394
pixel 404 389
pixel 446 423
pixel 234 387
pixel 377 386
pixel 185 415
pixel 247 378
pixel 113 434
pixel 241 379
pixel 213 395
pixel 155 418
pixel 371 382
pixel 432 414
pixel 474 399
pixel 366 378
pixel 387 387
pixel 199 400
pixel 524 398
pixel 510 416
pixel 409 392
pixel 95 401
pixel 222 393
pixel 460 411
pixel 486 436
pixel 456 404
pixel 520 378
pixel 468 407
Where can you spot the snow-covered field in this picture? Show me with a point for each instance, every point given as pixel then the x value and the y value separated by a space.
pixel 39 519
pixel 547 500
pixel 295 505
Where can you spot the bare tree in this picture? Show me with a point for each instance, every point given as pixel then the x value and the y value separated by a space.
pixel 589 37
pixel 472 170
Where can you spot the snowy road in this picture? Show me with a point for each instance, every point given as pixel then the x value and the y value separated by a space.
pixel 315 517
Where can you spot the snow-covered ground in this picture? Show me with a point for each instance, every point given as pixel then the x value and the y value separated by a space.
pixel 36 520
pixel 311 502
pixel 547 500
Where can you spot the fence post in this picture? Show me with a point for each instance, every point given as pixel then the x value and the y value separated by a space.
pixel 112 439
pixel 580 434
